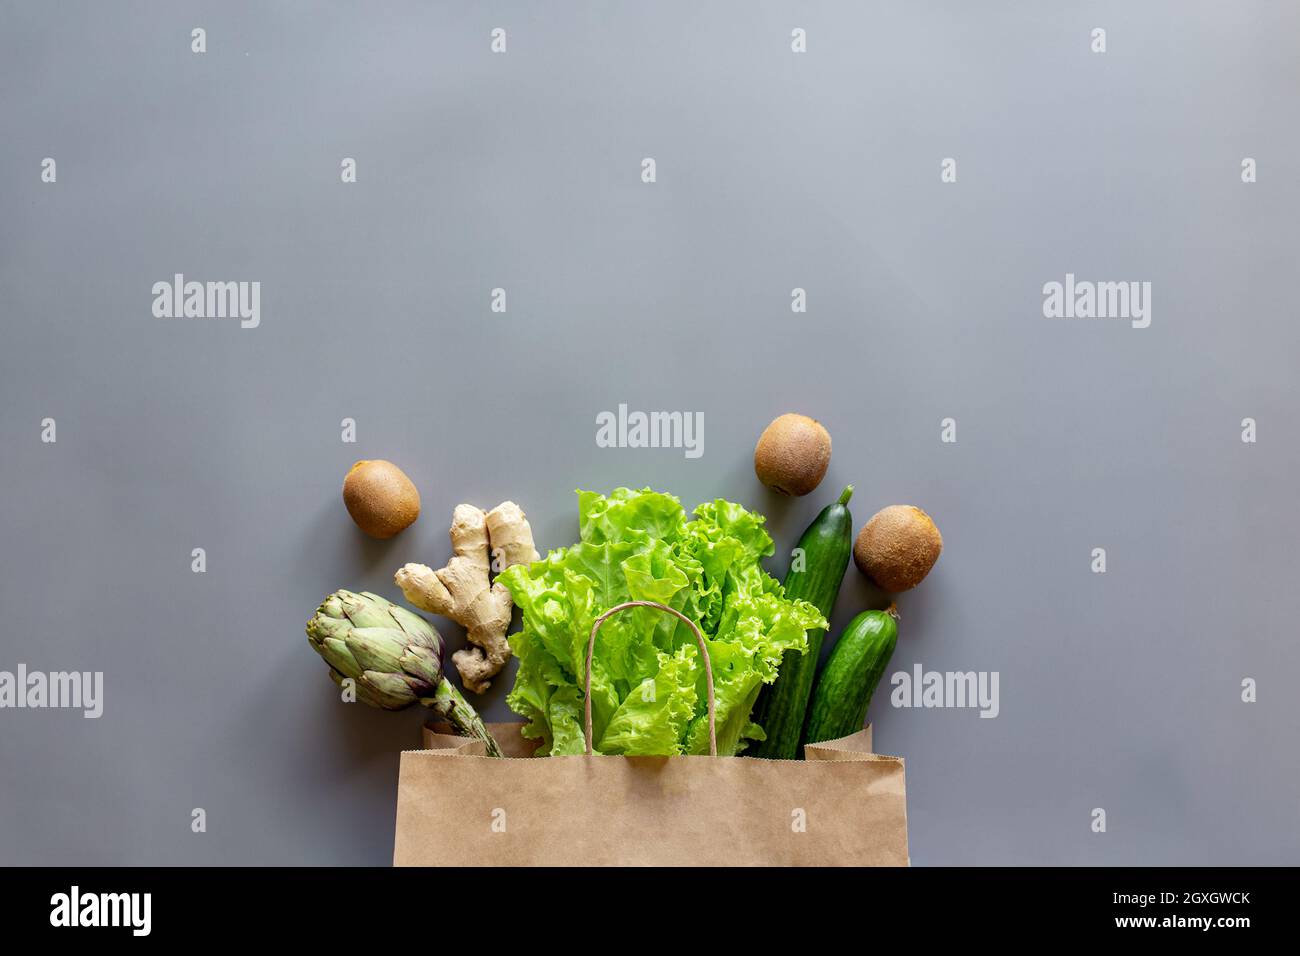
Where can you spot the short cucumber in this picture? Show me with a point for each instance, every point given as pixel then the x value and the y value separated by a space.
pixel 815 576
pixel 845 685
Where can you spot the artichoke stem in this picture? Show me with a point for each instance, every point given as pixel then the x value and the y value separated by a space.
pixel 448 704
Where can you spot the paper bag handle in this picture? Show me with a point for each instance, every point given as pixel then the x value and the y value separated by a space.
pixel 704 653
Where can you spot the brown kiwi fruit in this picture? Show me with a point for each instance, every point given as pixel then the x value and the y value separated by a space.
pixel 792 454
pixel 897 547
pixel 380 498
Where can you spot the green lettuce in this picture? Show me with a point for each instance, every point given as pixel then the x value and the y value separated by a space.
pixel 648 691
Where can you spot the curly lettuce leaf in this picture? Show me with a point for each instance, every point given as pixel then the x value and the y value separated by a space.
pixel 653 718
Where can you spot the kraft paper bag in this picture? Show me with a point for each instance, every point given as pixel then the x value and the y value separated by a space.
pixel 841 806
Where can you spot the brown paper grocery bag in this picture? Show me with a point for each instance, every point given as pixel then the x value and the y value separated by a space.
pixel 842 806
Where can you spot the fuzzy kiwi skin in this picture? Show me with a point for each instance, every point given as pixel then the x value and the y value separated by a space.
pixel 792 454
pixel 897 547
pixel 380 498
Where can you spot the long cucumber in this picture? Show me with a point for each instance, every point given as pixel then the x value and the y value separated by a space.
pixel 815 575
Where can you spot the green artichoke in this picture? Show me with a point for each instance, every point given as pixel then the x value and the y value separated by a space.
pixel 393 657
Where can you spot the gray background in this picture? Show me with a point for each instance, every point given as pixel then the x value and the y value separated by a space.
pixel 775 170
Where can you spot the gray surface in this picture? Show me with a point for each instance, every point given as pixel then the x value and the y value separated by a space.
pixel 1119 691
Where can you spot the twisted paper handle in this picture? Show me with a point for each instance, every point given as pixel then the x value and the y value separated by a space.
pixel 704 653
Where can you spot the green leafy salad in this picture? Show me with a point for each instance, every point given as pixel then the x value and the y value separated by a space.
pixel 647 686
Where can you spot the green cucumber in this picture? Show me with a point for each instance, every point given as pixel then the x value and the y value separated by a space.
pixel 845 685
pixel 815 576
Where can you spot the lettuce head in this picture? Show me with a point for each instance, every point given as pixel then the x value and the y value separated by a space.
pixel 647 681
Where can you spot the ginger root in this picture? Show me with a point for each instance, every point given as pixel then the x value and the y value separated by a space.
pixel 461 591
